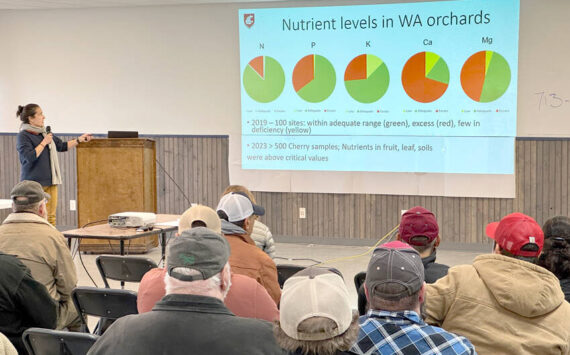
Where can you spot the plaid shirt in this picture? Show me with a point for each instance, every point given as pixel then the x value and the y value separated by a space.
pixel 405 333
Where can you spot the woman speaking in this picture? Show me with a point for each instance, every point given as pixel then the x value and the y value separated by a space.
pixel 37 148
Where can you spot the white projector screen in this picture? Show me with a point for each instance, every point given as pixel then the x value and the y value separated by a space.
pixel 407 88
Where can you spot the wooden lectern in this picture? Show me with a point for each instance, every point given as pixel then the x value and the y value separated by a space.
pixel 115 175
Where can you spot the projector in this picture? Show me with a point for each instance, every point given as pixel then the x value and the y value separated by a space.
pixel 132 219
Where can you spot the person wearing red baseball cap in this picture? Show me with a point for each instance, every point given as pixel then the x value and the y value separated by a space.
pixel 419 228
pixel 504 303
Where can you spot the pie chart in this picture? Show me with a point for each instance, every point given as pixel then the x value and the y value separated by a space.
pixel 314 78
pixel 425 77
pixel 263 79
pixel 366 78
pixel 485 76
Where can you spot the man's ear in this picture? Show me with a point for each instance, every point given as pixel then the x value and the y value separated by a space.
pixel 422 293
pixel 496 249
pixel 225 276
pixel 398 237
pixel 366 292
pixel 437 241
pixel 42 210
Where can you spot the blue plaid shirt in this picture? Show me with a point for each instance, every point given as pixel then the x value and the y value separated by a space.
pixel 405 333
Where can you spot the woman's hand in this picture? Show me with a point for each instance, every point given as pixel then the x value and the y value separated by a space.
pixel 85 137
pixel 47 139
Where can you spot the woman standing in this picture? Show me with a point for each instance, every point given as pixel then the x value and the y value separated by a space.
pixel 37 150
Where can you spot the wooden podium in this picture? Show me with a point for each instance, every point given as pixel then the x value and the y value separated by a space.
pixel 115 175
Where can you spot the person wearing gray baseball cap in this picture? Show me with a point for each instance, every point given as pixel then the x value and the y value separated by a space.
pixel 191 318
pixel 395 289
pixel 27 234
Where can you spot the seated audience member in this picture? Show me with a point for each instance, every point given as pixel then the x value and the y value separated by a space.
pixel 504 303
pixel 24 302
pixel 43 249
pixel 419 228
pixel 316 317
pixel 6 348
pixel 395 288
pixel 238 213
pixel 191 318
pixel 246 298
pixel 260 234
pixel 556 253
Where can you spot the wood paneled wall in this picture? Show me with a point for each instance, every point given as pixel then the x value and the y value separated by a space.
pixel 198 167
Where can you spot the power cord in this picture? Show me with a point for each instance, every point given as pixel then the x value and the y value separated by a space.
pixel 174 182
pixel 83 264
pixel 371 249
pixel 79 252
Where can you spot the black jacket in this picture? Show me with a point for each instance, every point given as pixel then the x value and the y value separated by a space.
pixel 565 284
pixel 187 324
pixel 24 302
pixel 432 270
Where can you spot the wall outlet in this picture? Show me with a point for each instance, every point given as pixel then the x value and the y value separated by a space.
pixel 72 205
pixel 302 212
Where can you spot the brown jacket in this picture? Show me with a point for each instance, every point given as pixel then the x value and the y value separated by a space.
pixel 247 259
pixel 503 306
pixel 43 249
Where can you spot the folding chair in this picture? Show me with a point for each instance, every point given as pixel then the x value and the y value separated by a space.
pixel 106 303
pixel 123 268
pixel 285 271
pixel 358 283
pixel 40 341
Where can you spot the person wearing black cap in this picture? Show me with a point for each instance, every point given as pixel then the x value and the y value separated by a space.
pixel 27 234
pixel 237 213
pixel 191 318
pixel 556 253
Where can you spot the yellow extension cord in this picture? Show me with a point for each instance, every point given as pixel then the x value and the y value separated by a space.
pixel 371 249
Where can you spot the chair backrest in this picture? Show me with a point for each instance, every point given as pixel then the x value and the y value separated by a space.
pixel 359 279
pixel 106 303
pixel 40 341
pixel 123 268
pixel 358 283
pixel 285 271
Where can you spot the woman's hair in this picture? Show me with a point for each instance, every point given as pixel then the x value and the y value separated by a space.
pixel 556 253
pixel 25 112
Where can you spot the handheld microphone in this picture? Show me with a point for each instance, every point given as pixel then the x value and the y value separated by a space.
pixel 48 129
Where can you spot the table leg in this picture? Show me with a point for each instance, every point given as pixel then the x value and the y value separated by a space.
pixel 163 242
pixel 122 251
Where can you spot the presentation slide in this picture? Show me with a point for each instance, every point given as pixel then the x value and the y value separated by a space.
pixel 412 87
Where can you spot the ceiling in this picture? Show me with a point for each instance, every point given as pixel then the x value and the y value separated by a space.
pixel 74 4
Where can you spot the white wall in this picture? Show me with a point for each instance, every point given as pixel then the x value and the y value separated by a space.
pixel 159 70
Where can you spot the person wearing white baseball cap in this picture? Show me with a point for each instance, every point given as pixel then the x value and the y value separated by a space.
pixel 316 315
pixel 238 214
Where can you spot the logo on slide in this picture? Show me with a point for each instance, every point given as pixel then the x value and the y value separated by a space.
pixel 248 20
